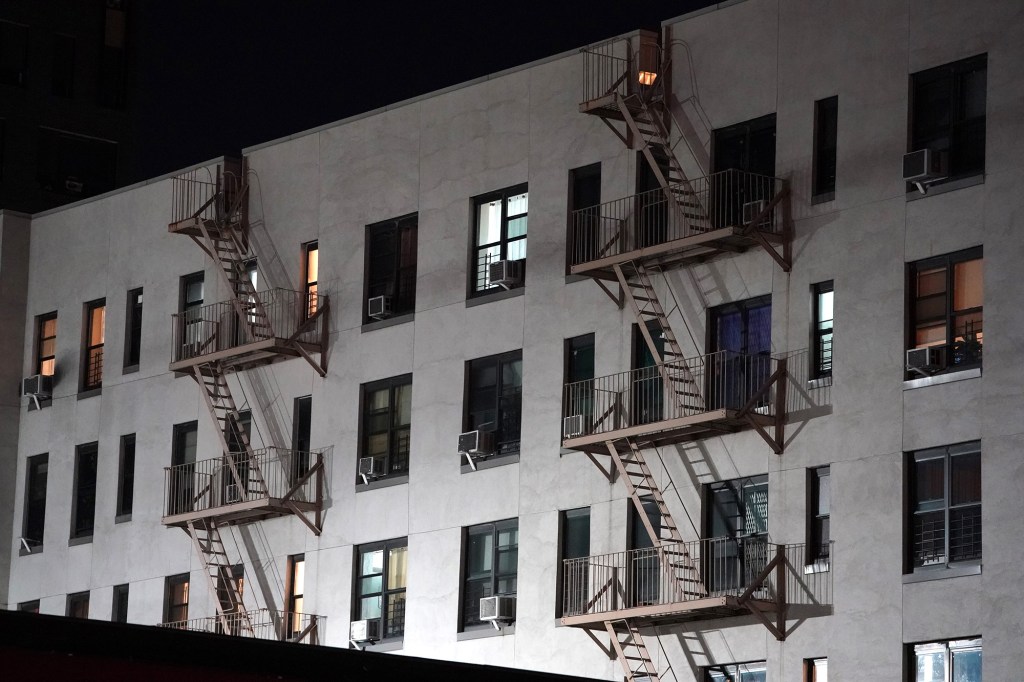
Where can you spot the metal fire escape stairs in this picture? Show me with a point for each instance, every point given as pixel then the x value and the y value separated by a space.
pixel 209 545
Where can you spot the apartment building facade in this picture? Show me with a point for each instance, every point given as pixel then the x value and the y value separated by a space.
pixel 538 371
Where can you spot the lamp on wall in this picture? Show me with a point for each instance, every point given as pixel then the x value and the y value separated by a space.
pixel 648 60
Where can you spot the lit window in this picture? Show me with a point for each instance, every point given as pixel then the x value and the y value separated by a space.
pixel 380 585
pixel 947 296
pixel 500 235
pixel 822 330
pixel 956 660
pixel 46 344
pixel 296 592
pixel 311 270
pixel 95 320
pixel 176 599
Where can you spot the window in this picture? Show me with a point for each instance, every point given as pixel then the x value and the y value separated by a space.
pixel 73 165
pixel 816 670
pixel 296 590
pixel 499 234
pixel 741 342
pixel 133 329
pixel 46 344
pixel 957 660
pixel 112 58
pixel 380 585
pixel 490 564
pixel 391 265
pixel 946 300
pixel 579 367
pixel 301 424
pixel 945 506
pixel 62 82
pixel 126 476
pixel 574 549
pixel 819 503
pixel 737 512
pixel 35 502
pixel 13 53
pixel 29 606
pixel 643 574
pixel 95 321
pixel 748 150
pixel 494 397
pixel 311 271
pixel 84 503
pixel 176 598
pixel 183 464
pixel 387 415
pixel 755 671
pixel 77 605
pixel 947 114
pixel 826 120
pixel 822 330
pixel 119 610
pixel 584 215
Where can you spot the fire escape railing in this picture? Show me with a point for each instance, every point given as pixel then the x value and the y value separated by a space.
pixel 282 626
pixel 606 68
pixel 729 198
pixel 192 196
pixel 216 327
pixel 269 473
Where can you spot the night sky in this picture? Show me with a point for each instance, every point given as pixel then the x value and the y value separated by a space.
pixel 214 77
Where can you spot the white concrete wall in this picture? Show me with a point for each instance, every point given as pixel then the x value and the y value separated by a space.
pixel 432 156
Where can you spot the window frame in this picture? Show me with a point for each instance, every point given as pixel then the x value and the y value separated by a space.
pixel 386 621
pixel 40 358
pixel 732 670
pixel 577 247
pixel 75 600
pixel 295 591
pixel 507 447
pixel 391 385
pixel 813 668
pixel 83 500
pixel 826 135
pixel 399 277
pixel 302 428
pixel 821 360
pixel 125 478
pixel 564 518
pixel 92 352
pixel 119 602
pixel 478 281
pixel 133 331
pixel 971 351
pixel 36 469
pixel 948 647
pixel 311 277
pixel 818 540
pixel 31 606
pixel 171 606
pixel 494 528
pixel 913 507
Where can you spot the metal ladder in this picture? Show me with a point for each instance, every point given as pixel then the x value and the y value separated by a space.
pixel 631 651
pixel 220 574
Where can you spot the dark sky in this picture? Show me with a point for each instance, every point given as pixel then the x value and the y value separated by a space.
pixel 216 76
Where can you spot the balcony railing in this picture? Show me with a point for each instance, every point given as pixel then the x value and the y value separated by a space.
pixel 217 327
pixel 702 384
pixel 192 195
pixel 282 626
pixel 269 474
pixel 681 577
pixel 606 69
pixel 729 198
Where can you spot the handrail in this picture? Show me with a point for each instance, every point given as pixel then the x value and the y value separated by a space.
pixel 269 473
pixel 729 198
pixel 216 326
pixel 284 626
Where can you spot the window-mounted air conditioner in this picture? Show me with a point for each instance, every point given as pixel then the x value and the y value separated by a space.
pixel 924 361
pixel 572 426
pixel 498 610
pixel 379 307
pixel 752 209
pixel 476 442
pixel 37 386
pixel 364 631
pixel 369 468
pixel 924 167
pixel 506 273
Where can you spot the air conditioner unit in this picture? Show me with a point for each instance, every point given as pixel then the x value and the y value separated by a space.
pixel 73 185
pixel 476 442
pixel 500 609
pixel 924 361
pixel 572 426
pixel 924 167
pixel 378 307
pixel 752 209
pixel 370 467
pixel 362 631
pixel 231 494
pixel 37 386
pixel 506 273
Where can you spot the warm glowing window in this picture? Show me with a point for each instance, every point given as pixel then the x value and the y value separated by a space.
pixel 947 299
pixel 176 599
pixel 46 349
pixel 296 590
pixel 95 317
pixel 312 270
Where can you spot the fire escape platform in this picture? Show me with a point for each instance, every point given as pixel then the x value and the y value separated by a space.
pixel 247 356
pixel 671 613
pixel 671 431
pixel 239 513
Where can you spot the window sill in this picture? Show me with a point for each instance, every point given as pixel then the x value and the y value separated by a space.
pixel 84 540
pixel 484 631
pixel 823 198
pixel 90 393
pixel 385 645
pixel 950 186
pixel 43 402
pixel 974 373
pixel 819 566
pixel 382 483
pixel 820 382
pixel 130 369
pixel 922 575
pixel 123 518
pixel 34 549
pixel 389 322
pixel 489 463
pixel 480 299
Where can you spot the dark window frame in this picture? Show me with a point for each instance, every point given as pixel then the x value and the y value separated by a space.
pixel 83 500
pixel 826 133
pixel 395 279
pixel 821 330
pixel 504 446
pixel 133 330
pixel 819 532
pixel 478 281
pixel 76 601
pixel 36 474
pixel 961 351
pixel 302 425
pixel 181 486
pixel 964 135
pixel 580 580
pixel 578 400
pixel 296 593
pixel 393 465
pixel 469 612
pixel 31 606
pixel 583 229
pixel 392 620
pixel 311 276
pixel 126 477
pixel 119 607
pixel 176 608
pixel 92 351
pixel 731 671
pixel 41 338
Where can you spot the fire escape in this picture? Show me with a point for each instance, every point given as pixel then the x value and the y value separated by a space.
pixel 622 245
pixel 211 342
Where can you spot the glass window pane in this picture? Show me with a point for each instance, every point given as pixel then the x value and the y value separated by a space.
pixel 507 561
pixel 930 282
pixel 825 306
pixel 488 223
pixel 517 249
pixel 403 400
pixel 369 608
pixel 372 562
pixel 931 666
pixel 50 327
pixel 968 285
pixel 397 567
pixel 481 549
pixel 371 585
pixel 965 478
pixel 508 537
pixel 312 265
pixel 929 480
pixel 378 400
pixel 518 204
pixel 96 325
pixel 299 577
pixel 824 493
pixel 517 227
pixel 967 666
